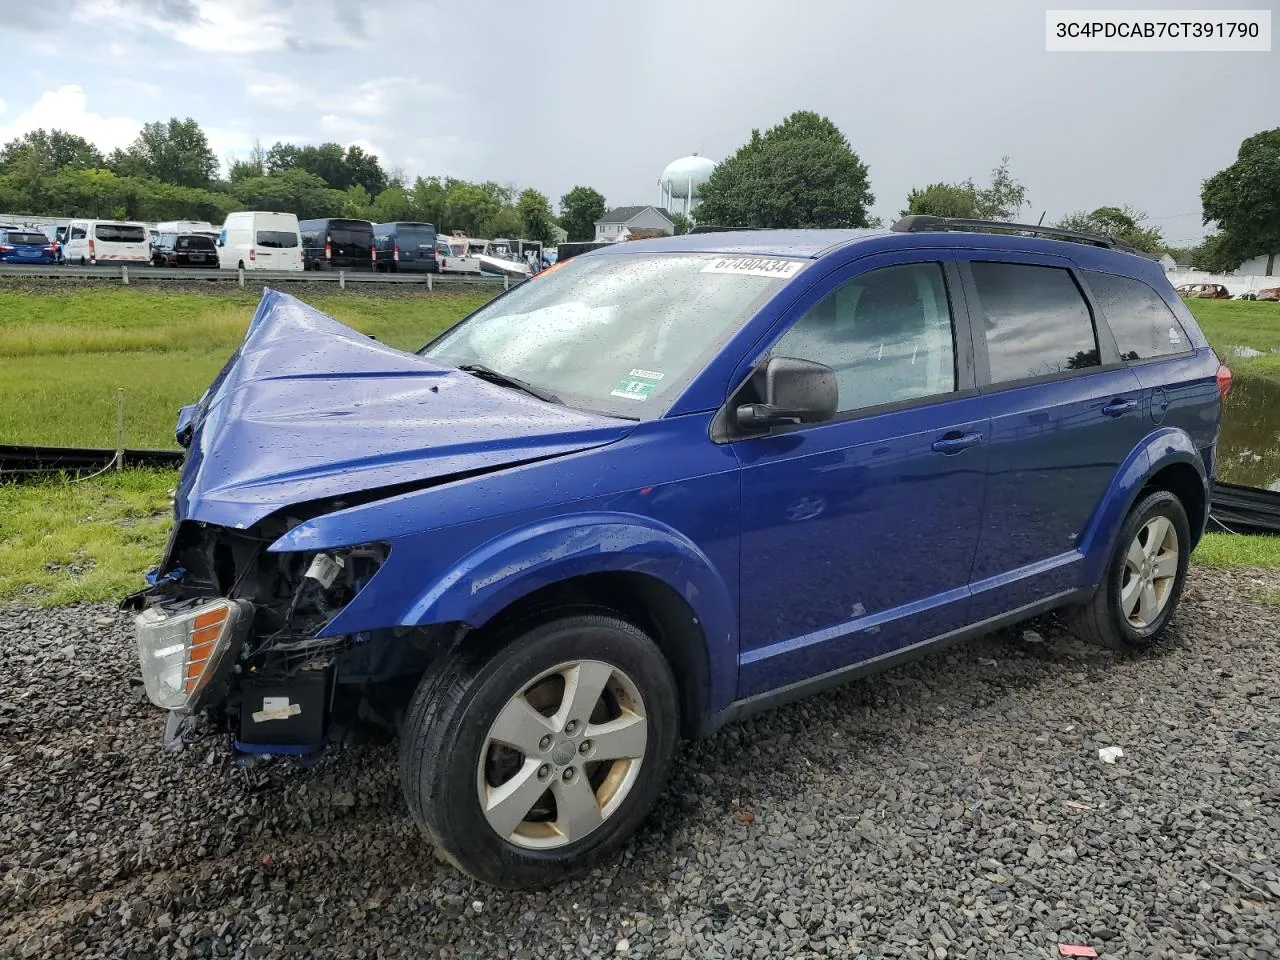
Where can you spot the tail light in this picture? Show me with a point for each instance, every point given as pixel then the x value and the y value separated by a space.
pixel 373 255
pixel 328 251
pixel 51 248
pixel 395 254
pixel 253 255
pixel 5 248
pixel 91 252
pixel 1224 381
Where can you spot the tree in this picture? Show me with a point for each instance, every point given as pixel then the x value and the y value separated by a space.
pixel 428 196
pixel 174 152
pixel 1001 200
pixel 339 168
pixel 1244 201
pixel 48 152
pixel 1120 223
pixel 469 207
pixel 356 202
pixel 535 213
pixel 392 204
pixel 801 173
pixel 682 223
pixel 255 165
pixel 580 208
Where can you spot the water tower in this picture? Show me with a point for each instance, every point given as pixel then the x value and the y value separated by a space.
pixel 682 180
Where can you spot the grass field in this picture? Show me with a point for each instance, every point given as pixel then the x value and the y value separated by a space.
pixel 64 355
pixel 1242 323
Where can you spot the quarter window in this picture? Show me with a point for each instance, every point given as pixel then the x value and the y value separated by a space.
pixel 1142 322
pixel 886 333
pixel 1036 321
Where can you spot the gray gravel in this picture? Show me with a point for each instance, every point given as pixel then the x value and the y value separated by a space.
pixel 953 808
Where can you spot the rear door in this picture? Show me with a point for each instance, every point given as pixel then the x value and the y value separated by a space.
pixel 859 533
pixel 1065 413
pixel 416 243
pixel 351 243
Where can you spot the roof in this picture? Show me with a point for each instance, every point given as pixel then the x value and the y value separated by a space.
pixel 623 214
pixel 811 244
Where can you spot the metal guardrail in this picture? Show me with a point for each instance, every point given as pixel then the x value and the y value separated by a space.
pixel 22 462
pixel 141 273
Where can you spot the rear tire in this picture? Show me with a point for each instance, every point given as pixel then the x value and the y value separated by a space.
pixel 519 797
pixel 1143 582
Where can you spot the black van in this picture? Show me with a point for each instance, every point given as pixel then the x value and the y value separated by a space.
pixel 406 246
pixel 337 244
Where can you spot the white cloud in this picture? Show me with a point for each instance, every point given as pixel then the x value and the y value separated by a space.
pixel 372 98
pixel 66 108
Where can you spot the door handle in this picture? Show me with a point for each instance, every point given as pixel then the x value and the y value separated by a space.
pixel 1117 408
pixel 954 442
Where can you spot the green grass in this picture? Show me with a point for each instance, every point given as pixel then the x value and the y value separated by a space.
pixel 1242 323
pixel 64 542
pixel 1230 551
pixel 64 355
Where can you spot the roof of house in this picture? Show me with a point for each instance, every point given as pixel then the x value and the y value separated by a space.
pixel 624 214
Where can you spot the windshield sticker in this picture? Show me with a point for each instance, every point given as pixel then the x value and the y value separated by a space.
pixel 755 267
pixel 1173 336
pixel 637 385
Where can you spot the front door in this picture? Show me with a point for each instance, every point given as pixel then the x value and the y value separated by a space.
pixel 1065 414
pixel 859 533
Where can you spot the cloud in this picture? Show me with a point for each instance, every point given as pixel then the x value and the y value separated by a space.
pixel 66 108
pixel 372 98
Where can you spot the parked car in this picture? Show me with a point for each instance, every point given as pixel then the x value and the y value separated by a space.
pixel 106 241
pixel 1269 293
pixel 22 245
pixel 406 246
pixel 184 250
pixel 260 240
pixel 338 244
pixel 1204 291
pixel 660 487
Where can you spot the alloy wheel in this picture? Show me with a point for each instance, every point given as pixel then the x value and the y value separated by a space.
pixel 562 755
pixel 1150 569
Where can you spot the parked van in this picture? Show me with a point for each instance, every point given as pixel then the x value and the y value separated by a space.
pixel 406 246
pixel 338 244
pixel 199 227
pixel 260 240
pixel 106 241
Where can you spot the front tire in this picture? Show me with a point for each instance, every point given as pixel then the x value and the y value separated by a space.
pixel 1140 590
pixel 531 757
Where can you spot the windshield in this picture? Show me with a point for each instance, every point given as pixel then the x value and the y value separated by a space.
pixel 620 335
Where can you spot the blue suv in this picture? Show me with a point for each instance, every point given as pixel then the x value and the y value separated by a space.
pixel 662 486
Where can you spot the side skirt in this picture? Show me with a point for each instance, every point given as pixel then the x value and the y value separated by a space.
pixel 748 706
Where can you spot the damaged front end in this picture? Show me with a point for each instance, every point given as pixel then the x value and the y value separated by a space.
pixel 227 635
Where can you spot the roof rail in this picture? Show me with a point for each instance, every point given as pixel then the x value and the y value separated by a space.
pixel 712 228
pixel 922 223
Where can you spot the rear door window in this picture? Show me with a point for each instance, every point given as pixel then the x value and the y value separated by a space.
pixel 120 233
pixel 1036 321
pixel 1142 322
pixel 276 238
pixel 15 236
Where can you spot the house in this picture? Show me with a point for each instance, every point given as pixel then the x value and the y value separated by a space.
pixel 612 225
pixel 1167 262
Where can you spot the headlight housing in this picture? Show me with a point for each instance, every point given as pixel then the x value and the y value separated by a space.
pixel 181 649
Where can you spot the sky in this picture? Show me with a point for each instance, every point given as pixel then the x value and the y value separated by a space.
pixel 606 94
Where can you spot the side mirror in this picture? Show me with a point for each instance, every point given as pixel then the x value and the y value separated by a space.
pixel 795 391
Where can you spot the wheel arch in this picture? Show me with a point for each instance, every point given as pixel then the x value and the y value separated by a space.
pixel 1165 460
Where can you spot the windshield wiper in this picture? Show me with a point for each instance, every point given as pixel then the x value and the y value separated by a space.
pixel 504 380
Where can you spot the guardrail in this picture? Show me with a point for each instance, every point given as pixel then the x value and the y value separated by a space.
pixel 21 462
pixel 140 273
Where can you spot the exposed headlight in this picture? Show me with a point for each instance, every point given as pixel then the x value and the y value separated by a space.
pixel 180 650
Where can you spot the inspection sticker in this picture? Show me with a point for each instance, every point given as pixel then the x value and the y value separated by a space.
pixel 755 267
pixel 637 385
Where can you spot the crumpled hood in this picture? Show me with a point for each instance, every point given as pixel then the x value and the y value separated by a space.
pixel 309 408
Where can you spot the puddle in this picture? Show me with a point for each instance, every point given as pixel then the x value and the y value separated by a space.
pixel 1249 450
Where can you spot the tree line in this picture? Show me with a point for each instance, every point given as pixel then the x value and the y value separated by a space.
pixel 801 173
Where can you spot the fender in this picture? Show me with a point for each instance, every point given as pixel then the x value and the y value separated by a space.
pixel 499 572
pixel 1156 451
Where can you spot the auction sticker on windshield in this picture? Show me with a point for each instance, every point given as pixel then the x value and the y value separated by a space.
pixel 637 385
pixel 755 267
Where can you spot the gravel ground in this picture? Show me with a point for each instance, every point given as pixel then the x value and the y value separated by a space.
pixel 953 808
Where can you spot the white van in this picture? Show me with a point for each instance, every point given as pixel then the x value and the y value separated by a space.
pixel 259 240
pixel 106 241
pixel 199 227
